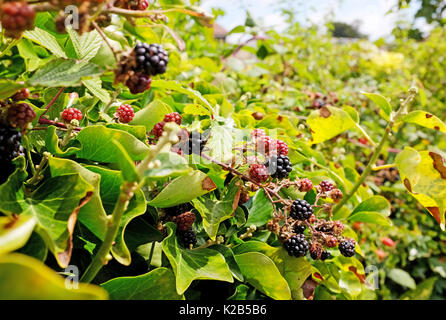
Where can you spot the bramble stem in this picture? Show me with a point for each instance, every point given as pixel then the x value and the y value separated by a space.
pixel 53 101
pixel 393 118
pixel 387 166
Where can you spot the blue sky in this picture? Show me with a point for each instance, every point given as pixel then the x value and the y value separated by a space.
pixel 371 13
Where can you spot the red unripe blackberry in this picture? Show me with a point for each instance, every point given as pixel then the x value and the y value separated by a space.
pixel 188 237
pixel 316 250
pixel 387 242
pixel 21 95
pixel 125 113
pixel 185 220
pixel 326 186
pixel 331 242
pixel 305 185
pixel 20 115
pixel 338 227
pixel 347 248
pixel 158 129
pixel 16 18
pixel 258 173
pixel 282 148
pixel 257 133
pixel 312 219
pixel 173 117
pixel 139 83
pixel 336 195
pixel 265 145
pixel 301 210
pixel 296 246
pixel 71 114
pixel 151 59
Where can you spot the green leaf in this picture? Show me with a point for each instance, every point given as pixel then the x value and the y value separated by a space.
pixel 424 176
pixel 215 212
pixel 64 73
pixel 87 45
pixel 261 272
pixel 151 115
pixel 25 278
pixel 52 144
pixel 370 217
pixel 47 40
pixel 375 209
pixel 15 232
pixel 8 88
pixel 183 189
pixel 96 146
pixel 423 291
pixel 158 284
pixel 328 122
pixel 95 87
pixel 172 165
pixel 53 204
pixel 381 102
pixel 127 166
pixel 196 264
pixel 426 120
pixel 402 278
pixel 220 143
pixel 261 210
pixel 230 260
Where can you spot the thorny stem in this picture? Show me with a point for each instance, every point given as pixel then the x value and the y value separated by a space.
pixel 393 118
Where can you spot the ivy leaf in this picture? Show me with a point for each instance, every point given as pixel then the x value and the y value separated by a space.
pixel 261 210
pixel 196 264
pixel 426 120
pixel 63 73
pixel 15 232
pixel 96 146
pixel 25 278
pixel 158 284
pixel 328 122
pixel 261 272
pixel 381 102
pixel 424 176
pixel 183 189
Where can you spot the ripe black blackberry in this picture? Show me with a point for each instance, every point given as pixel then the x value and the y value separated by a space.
pixel 325 255
pixel 138 83
pixel 347 248
pixel 188 237
pixel 151 59
pixel 298 229
pixel 301 210
pixel 296 246
pixel 279 166
pixel 10 148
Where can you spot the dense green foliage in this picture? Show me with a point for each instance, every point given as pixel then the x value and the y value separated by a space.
pixel 100 198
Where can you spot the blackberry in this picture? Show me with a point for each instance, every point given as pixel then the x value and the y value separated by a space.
pixel 326 186
pixel 336 195
pixel 282 148
pixel 265 145
pixel 125 113
pixel 347 248
pixel 305 185
pixel 71 114
pixel 21 95
pixel 256 133
pixel 325 255
pixel 258 173
pixel 10 148
pixel 17 17
pixel 188 237
pixel 185 220
pixel 133 4
pixel 173 117
pixel 301 210
pixel 20 115
pixel 244 198
pixel 298 229
pixel 296 246
pixel 138 83
pixel 331 242
pixel 316 250
pixel 151 59
pixel 158 129
pixel 279 166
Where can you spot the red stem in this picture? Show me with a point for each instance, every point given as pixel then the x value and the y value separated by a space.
pixel 57 124
pixel 53 100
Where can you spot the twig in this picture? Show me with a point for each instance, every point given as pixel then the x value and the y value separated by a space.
pixel 102 34
pixel 53 101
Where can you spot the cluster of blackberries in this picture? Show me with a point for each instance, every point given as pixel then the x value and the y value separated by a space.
pixel 301 210
pixel 16 17
pixel 188 238
pixel 10 148
pixel 151 59
pixel 267 145
pixel 279 166
pixel 138 83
